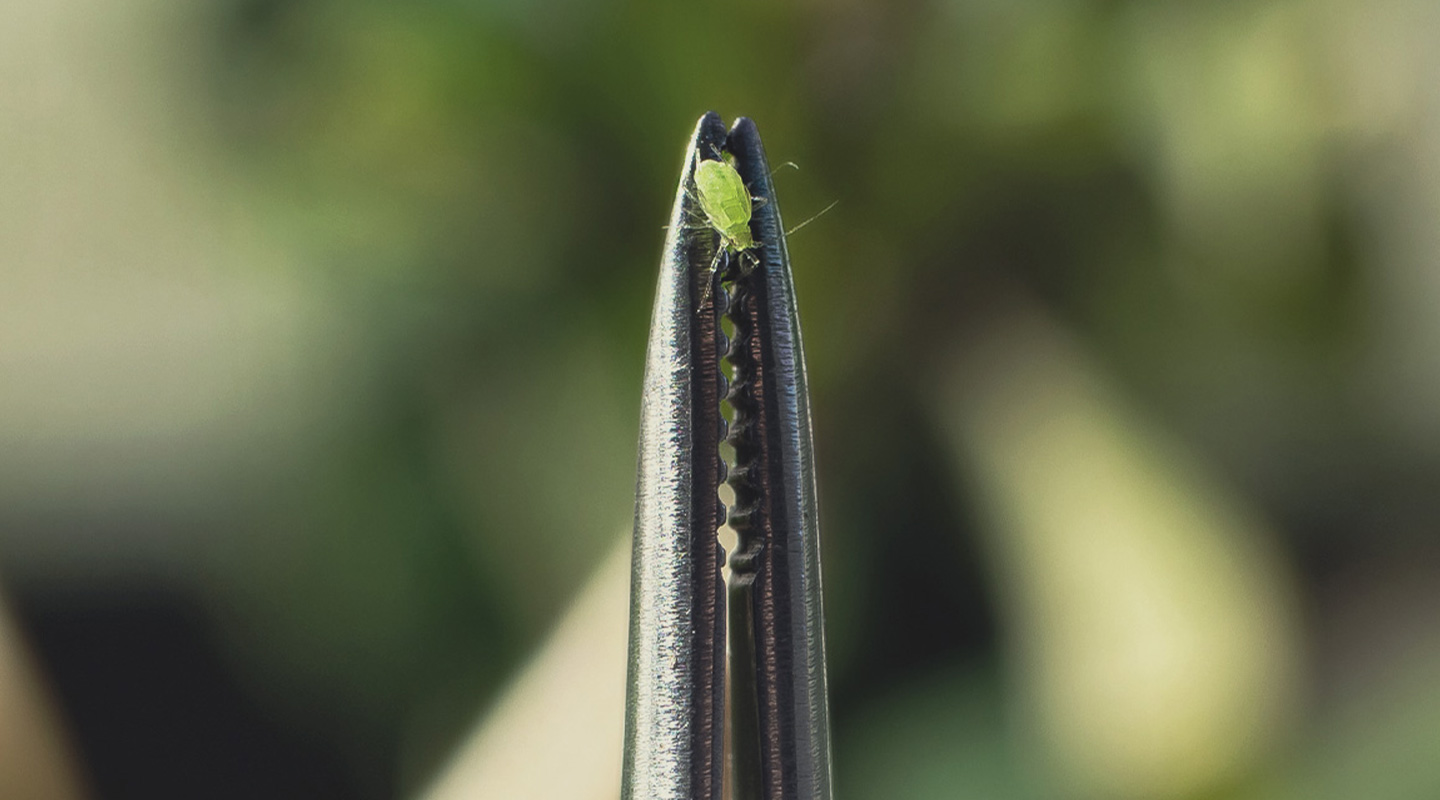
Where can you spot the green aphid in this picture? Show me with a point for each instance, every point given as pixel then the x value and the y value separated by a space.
pixel 726 203
pixel 727 206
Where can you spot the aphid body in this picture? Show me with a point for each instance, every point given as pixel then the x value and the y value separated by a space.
pixel 728 207
pixel 726 202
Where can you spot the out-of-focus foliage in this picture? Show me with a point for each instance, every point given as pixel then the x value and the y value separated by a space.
pixel 320 346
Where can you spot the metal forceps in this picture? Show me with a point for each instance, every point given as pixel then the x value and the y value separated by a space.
pixel 700 725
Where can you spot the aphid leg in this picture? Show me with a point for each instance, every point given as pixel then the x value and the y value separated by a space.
pixel 749 262
pixel 694 198
pixel 710 275
pixel 695 220
pixel 790 164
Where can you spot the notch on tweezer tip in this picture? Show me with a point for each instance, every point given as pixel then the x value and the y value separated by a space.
pixel 676 720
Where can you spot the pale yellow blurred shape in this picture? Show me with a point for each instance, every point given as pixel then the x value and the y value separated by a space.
pixel 1387 68
pixel 1153 624
pixel 151 338
pixel 556 732
pixel 1229 102
pixel 35 760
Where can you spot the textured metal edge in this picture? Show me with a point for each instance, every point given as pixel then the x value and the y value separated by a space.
pixel 675 687
pixel 777 614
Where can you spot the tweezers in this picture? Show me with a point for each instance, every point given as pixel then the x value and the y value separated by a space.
pixel 699 725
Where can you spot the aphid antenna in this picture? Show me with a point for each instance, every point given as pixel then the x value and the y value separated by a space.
pixel 759 201
pixel 817 215
pixel 721 156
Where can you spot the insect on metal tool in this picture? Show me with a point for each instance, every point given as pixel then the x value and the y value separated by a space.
pixel 705 721
pixel 725 206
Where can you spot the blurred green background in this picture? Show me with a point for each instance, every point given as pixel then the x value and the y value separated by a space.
pixel 322 326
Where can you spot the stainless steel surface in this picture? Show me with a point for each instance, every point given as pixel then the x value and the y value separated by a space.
pixel 674 707
pixel 676 722
pixel 776 619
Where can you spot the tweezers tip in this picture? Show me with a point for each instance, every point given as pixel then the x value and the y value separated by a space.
pixel 743 127
pixel 709 130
